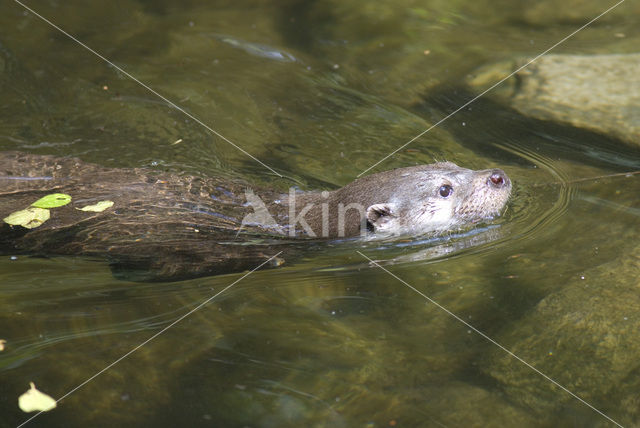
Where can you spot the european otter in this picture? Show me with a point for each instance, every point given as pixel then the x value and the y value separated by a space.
pixel 175 227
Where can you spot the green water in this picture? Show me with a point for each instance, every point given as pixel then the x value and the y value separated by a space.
pixel 320 91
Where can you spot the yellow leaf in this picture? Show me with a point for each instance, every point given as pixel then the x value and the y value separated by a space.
pixel 97 208
pixel 2 343
pixel 36 401
pixel 29 218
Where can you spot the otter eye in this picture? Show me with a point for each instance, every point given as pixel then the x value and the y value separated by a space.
pixel 445 190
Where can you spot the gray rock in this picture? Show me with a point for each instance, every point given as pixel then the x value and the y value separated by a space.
pixel 600 93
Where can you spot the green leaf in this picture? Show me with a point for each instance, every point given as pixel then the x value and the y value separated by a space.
pixel 53 200
pixel 97 208
pixel 29 218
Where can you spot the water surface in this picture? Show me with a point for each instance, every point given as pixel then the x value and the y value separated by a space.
pixel 320 92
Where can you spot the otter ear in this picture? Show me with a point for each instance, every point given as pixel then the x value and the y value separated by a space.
pixel 378 216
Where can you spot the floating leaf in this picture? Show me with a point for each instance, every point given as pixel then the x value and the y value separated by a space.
pixel 36 401
pixel 97 208
pixel 53 200
pixel 29 218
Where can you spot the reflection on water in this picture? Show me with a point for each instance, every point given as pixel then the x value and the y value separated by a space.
pixel 322 91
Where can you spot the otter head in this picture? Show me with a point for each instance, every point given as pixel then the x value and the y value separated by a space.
pixel 428 199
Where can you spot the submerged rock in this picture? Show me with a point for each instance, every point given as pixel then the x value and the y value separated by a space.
pixel 546 12
pixel 585 337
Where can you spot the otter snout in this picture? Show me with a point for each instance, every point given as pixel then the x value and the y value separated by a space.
pixel 498 179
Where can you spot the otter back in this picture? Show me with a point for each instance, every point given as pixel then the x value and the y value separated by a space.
pixel 167 227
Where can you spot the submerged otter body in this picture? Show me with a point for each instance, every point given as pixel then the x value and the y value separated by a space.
pixel 173 227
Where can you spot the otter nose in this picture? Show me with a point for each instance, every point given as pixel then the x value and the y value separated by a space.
pixel 498 179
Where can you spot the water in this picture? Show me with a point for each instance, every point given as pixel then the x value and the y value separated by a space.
pixel 321 92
